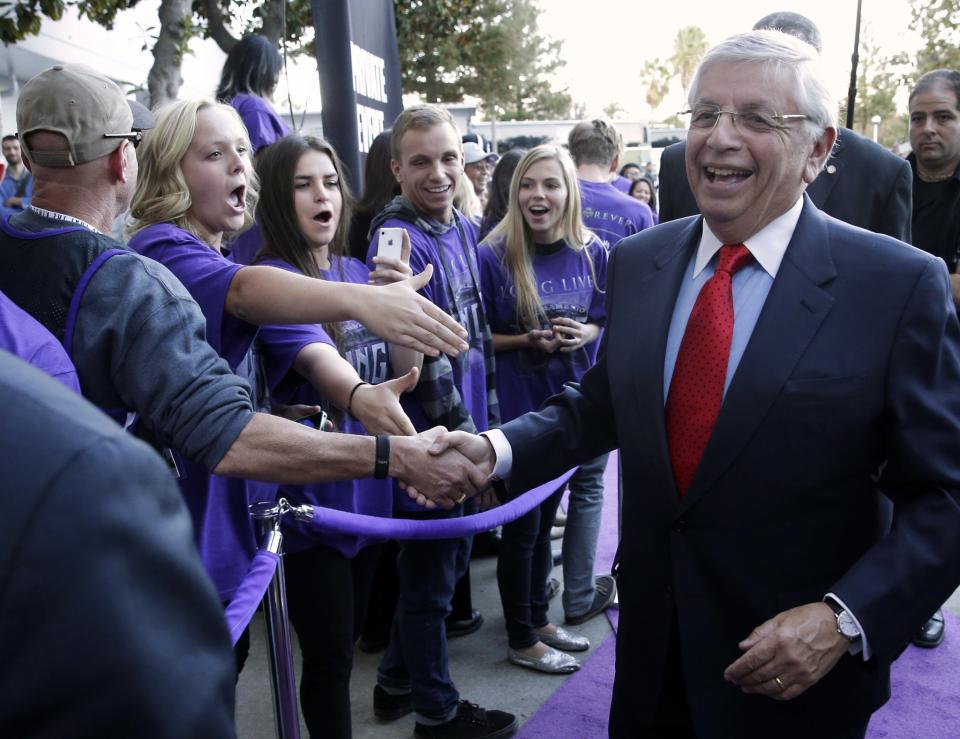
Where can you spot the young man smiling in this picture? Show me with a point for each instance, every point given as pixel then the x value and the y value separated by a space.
pixel 427 161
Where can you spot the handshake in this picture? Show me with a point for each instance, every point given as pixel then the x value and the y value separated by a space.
pixel 441 469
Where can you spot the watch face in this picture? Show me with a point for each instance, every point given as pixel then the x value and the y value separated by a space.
pixel 846 626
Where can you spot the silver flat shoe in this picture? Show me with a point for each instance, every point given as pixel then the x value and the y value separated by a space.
pixel 552 661
pixel 563 639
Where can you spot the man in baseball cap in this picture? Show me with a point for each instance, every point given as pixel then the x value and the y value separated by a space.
pixel 478 166
pixel 87 109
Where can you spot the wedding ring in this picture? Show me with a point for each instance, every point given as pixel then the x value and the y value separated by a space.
pixel 460 500
pixel 780 683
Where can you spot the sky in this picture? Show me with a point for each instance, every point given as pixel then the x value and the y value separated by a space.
pixel 607 42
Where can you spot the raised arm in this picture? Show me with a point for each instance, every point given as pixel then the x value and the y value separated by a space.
pixel 377 407
pixel 394 312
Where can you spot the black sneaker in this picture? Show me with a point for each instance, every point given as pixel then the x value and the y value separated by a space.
pixel 390 707
pixel 463 627
pixel 471 722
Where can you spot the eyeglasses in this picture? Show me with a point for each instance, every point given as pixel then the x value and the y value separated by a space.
pixel 757 120
pixel 135 137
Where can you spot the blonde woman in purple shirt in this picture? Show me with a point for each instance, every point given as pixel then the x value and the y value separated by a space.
pixel 542 277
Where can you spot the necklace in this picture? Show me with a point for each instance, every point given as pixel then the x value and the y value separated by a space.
pixel 934 178
pixel 61 217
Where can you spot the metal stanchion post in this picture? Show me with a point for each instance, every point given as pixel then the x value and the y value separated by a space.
pixel 267 517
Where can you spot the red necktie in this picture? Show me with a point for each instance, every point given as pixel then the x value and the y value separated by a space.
pixel 696 390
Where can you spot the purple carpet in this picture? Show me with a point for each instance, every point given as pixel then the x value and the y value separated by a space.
pixel 925 702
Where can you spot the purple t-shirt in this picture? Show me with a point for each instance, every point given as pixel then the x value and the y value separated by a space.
pixel 22 335
pixel 453 290
pixel 566 286
pixel 263 124
pixel 225 534
pixel 610 214
pixel 623 184
pixel 369 356
pixel 207 274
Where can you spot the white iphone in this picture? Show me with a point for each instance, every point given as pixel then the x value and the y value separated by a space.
pixel 390 243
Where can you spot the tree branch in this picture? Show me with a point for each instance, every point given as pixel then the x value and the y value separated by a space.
pixel 217 28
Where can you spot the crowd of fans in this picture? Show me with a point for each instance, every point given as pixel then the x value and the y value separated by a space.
pixel 255 297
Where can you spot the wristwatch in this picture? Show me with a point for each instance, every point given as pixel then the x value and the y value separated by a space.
pixel 846 626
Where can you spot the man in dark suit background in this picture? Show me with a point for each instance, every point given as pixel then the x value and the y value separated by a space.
pixel 863 184
pixel 761 367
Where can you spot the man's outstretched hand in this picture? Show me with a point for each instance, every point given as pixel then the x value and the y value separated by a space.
pixel 435 476
pixel 478 450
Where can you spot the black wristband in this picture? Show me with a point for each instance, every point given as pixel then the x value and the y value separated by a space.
pixel 350 398
pixel 381 465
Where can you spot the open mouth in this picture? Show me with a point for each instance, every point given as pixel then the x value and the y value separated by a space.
pixel 238 197
pixel 538 210
pixel 324 217
pixel 726 174
pixel 440 190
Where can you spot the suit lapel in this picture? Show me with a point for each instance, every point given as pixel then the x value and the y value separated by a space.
pixel 653 298
pixel 794 310
pixel 819 190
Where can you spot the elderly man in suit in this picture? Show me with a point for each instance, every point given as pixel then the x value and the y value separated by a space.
pixel 762 367
pixel 863 183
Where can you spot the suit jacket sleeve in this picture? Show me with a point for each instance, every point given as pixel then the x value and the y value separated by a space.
pixel 912 570
pixel 676 197
pixel 896 217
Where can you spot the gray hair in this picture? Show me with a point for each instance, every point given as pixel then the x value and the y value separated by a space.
pixel 779 54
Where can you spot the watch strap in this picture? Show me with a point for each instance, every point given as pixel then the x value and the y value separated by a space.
pixel 381 465
pixel 840 612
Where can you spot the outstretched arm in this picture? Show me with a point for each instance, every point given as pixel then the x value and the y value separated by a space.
pixel 377 407
pixel 272 448
pixel 395 312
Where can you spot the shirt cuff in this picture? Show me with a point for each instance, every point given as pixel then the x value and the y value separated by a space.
pixel 856 646
pixel 503 464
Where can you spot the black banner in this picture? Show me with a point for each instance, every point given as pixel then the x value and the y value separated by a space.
pixel 356 48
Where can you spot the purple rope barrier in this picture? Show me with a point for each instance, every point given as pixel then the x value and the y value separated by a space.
pixel 250 592
pixel 329 520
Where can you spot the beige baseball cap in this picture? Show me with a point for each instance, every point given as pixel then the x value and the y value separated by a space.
pixel 88 108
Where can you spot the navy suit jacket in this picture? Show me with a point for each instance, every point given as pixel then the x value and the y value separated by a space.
pixel 852 371
pixel 863 184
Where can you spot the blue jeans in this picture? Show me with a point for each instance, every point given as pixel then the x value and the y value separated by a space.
pixel 580 536
pixel 523 567
pixel 416 658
